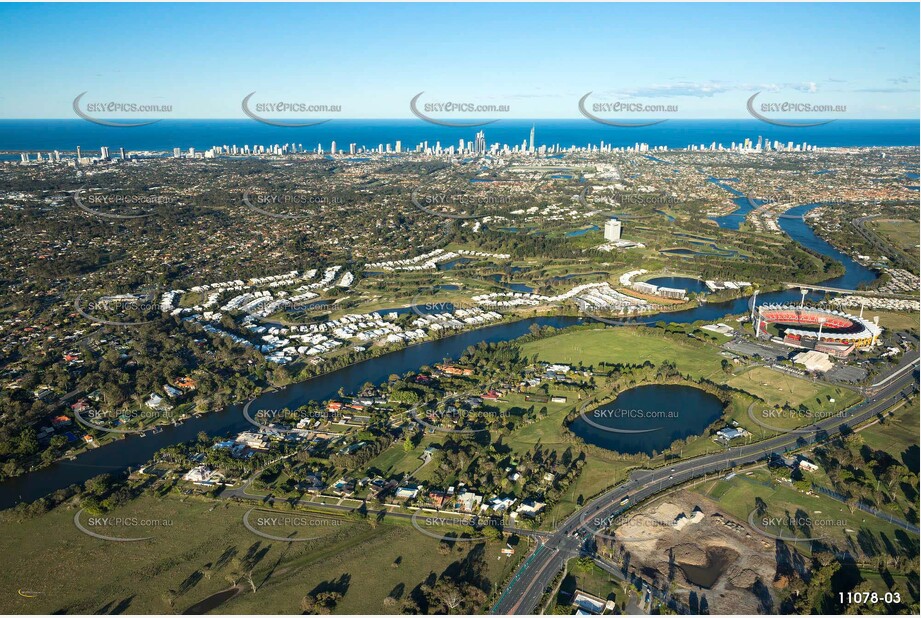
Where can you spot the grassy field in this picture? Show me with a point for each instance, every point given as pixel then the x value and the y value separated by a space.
pixel 897 320
pixel 777 388
pixel 588 577
pixel 76 573
pixel 838 525
pixel 902 234
pixel 622 345
pixel 898 434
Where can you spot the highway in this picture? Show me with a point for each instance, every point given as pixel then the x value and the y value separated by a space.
pixel 524 591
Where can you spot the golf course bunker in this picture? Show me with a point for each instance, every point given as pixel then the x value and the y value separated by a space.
pixel 649 418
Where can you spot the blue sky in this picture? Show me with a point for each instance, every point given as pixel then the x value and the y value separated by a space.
pixel 538 59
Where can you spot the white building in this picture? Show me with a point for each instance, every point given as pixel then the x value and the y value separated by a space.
pixel 612 229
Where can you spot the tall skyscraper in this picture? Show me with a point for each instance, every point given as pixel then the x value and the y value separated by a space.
pixel 480 142
pixel 103 152
pixel 612 229
pixel 399 146
pixel 531 144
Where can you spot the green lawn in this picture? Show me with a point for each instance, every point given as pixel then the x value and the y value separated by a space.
pixel 588 577
pixel 777 388
pixel 901 320
pixel 897 434
pixel 902 234
pixel 76 573
pixel 832 519
pixel 626 345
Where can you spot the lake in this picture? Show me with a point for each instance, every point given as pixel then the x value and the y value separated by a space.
pixel 649 418
pixel 687 283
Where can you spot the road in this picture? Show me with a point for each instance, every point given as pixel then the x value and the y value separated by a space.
pixel 824 288
pixel 527 586
pixel 240 493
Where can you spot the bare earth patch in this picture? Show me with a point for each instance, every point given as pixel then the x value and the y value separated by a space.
pixel 710 559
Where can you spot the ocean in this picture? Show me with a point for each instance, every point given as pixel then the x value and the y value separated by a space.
pixel 66 135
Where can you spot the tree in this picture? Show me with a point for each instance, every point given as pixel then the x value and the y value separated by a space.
pixel 448 593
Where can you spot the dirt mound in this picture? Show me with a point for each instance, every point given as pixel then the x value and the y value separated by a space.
pixel 690 554
pixel 746 579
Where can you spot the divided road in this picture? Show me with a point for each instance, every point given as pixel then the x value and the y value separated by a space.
pixel 523 593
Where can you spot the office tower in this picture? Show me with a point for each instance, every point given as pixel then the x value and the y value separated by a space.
pixel 351 149
pixel 25 157
pixel 78 153
pixel 612 229
pixel 480 142
pixel 103 152
pixel 460 145
pixel 399 146
pixel 121 153
pixel 531 144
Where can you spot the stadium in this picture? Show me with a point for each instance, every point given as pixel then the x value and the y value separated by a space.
pixel 833 332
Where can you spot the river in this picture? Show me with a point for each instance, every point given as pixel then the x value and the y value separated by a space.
pixel 134 451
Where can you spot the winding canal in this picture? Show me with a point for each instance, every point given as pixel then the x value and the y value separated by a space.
pixel 134 451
